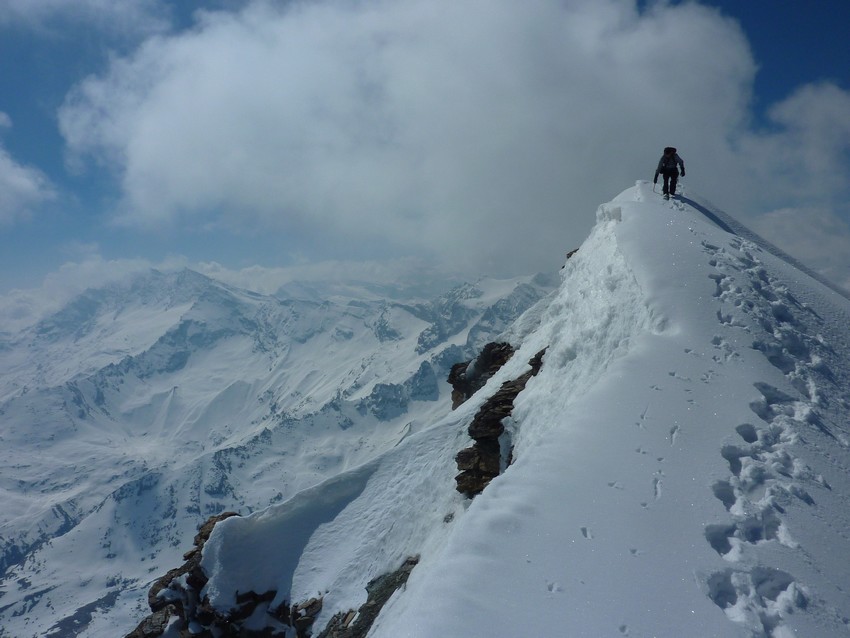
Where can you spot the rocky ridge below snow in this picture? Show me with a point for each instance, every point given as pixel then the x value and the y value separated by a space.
pixel 177 601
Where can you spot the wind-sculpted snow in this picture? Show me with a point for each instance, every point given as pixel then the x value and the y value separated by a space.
pixel 140 409
pixel 409 501
pixel 681 463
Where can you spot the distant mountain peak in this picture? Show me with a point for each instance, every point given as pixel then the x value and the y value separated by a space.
pixel 145 405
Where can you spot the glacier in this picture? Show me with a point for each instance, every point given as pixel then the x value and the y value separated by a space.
pixel 680 464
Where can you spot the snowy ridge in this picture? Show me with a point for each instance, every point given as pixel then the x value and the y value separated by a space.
pixel 680 462
pixel 396 512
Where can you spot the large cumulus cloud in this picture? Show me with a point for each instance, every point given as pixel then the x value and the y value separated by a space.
pixel 484 132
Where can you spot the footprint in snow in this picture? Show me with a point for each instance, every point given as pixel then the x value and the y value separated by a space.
pixel 759 599
pixel 707 376
pixel 675 375
pixel 722 285
pixel 759 527
pixel 656 487
pixel 748 432
pixel 642 418
pixel 725 493
pixel 674 433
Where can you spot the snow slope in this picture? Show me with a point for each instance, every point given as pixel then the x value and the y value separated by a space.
pixel 681 463
pixel 141 408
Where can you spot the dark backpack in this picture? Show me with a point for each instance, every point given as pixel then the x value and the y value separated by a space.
pixel 668 161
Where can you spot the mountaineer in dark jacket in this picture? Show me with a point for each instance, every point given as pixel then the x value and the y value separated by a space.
pixel 668 166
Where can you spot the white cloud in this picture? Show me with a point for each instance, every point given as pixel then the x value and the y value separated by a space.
pixel 818 237
pixel 22 308
pixel 387 272
pixel 89 269
pixel 485 132
pixel 22 188
pixel 794 181
pixel 806 154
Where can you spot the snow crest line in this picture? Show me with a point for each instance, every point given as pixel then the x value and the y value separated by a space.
pixel 596 317
pixel 591 321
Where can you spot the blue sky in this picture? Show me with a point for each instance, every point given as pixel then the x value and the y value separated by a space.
pixel 479 135
pixel 794 43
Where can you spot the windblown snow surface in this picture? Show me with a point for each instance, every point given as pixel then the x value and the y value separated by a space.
pixel 681 463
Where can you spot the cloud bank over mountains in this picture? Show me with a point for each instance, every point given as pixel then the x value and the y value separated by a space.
pixel 408 126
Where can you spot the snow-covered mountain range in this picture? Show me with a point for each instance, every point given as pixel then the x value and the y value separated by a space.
pixel 679 464
pixel 140 409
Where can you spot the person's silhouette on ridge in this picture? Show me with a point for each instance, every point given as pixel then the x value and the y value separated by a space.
pixel 668 167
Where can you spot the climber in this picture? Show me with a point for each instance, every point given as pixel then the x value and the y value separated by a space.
pixel 668 166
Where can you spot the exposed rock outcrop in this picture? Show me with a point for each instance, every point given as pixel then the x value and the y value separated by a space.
pixel 155 625
pixel 179 610
pixel 304 615
pixel 167 603
pixel 569 256
pixel 470 376
pixel 175 599
pixel 484 460
pixel 356 624
pixel 390 400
